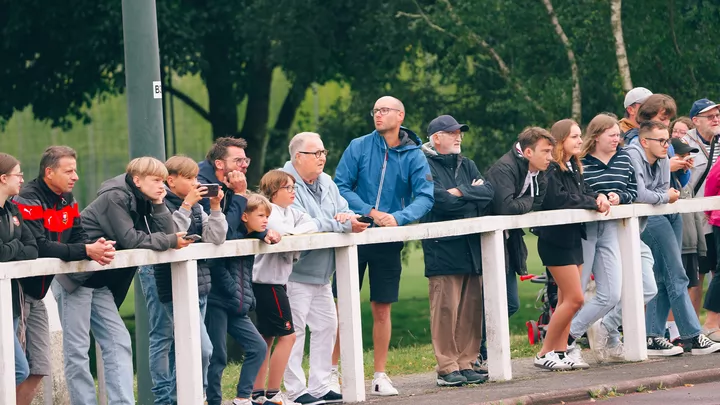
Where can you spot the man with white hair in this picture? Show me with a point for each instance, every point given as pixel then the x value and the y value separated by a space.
pixel 453 265
pixel 633 99
pixel 309 290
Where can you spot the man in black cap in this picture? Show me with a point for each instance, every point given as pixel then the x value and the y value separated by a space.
pixel 453 264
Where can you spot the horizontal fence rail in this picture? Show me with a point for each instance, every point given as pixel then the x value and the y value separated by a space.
pixel 185 294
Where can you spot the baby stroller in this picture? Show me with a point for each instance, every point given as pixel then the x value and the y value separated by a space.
pixel 546 301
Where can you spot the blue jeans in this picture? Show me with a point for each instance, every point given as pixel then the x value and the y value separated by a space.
pixel 94 309
pixel 22 370
pixel 220 323
pixel 664 236
pixel 601 254
pixel 513 300
pixel 613 319
pixel 162 340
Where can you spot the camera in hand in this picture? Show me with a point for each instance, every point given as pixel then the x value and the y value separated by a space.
pixel 212 190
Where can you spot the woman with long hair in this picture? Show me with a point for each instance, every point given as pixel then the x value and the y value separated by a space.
pixel 608 171
pixel 16 243
pixel 560 246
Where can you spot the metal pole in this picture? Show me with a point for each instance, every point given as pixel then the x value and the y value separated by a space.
pixel 145 126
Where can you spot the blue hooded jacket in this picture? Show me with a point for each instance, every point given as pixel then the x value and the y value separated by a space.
pixel 393 180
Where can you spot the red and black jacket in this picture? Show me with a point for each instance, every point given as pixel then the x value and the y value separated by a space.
pixel 55 223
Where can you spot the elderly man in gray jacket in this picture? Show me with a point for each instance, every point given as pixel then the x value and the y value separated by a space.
pixel 309 289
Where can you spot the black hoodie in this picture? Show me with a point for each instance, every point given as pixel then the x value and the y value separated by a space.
pixel 16 243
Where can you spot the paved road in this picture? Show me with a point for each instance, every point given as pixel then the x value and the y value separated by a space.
pixel 701 394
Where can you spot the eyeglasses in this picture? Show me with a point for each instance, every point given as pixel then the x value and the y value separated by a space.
pixel 453 134
pixel 240 161
pixel 382 111
pixel 318 153
pixel 713 117
pixel 679 132
pixel 289 188
pixel 662 141
pixel 16 174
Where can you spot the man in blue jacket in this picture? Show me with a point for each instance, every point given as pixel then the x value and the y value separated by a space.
pixel 385 175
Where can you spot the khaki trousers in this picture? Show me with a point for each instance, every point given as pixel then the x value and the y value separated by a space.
pixel 456 305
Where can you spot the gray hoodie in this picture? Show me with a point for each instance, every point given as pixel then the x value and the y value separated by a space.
pixel 653 181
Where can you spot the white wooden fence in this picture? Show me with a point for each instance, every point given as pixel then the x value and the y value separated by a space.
pixel 185 293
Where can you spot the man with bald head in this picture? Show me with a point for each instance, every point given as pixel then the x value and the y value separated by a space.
pixel 385 175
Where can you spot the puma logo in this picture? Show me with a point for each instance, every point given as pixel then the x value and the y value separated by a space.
pixel 27 210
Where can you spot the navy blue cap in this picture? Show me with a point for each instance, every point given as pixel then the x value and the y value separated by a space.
pixel 701 106
pixel 445 123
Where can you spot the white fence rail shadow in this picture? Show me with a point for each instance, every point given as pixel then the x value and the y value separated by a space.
pixel 185 293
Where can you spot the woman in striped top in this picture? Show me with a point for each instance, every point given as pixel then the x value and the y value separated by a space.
pixel 609 171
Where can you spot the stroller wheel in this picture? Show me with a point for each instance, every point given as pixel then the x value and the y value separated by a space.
pixel 533 332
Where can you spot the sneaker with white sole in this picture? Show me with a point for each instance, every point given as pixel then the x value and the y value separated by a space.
pixel 573 357
pixel 659 346
pixel 613 354
pixel 702 345
pixel 307 399
pixel 597 335
pixel 335 379
pixel 280 399
pixel 382 386
pixel 551 361
pixel 237 401
pixel 480 365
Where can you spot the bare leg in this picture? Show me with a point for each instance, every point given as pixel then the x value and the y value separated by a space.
pixel 382 330
pixel 262 374
pixel 279 360
pixel 27 389
pixel 568 281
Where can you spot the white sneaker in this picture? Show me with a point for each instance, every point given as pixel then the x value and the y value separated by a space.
pixel 280 399
pixel 241 402
pixel 573 357
pixel 597 335
pixel 382 385
pixel 616 353
pixel 551 361
pixel 335 377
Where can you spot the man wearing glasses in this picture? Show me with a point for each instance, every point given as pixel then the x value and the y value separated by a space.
pixel 385 175
pixel 652 168
pixel 705 114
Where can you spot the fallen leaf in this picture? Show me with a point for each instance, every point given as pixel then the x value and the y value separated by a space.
pixel 689 385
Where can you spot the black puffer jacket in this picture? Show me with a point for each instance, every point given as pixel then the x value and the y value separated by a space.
pixel 454 254
pixel 16 243
pixel 163 276
pixel 507 177
pixel 231 276
pixel 566 190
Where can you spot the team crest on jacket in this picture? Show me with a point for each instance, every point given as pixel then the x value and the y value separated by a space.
pixel 16 221
pixel 64 217
pixel 288 326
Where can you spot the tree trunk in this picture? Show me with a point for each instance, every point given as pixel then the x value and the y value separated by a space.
pixel 277 151
pixel 620 53
pixel 576 96
pixel 220 86
pixel 257 113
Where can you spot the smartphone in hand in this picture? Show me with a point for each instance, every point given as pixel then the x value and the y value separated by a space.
pixel 193 237
pixel 365 219
pixel 212 190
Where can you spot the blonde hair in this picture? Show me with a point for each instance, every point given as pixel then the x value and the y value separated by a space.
pixel 146 166
pixel 596 127
pixel 560 131
pixel 273 180
pixel 181 165
pixel 257 201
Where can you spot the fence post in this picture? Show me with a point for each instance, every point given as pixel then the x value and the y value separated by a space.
pixel 7 344
pixel 186 308
pixel 497 325
pixel 351 346
pixel 633 306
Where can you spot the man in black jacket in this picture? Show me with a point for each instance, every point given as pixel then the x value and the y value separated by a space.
pixel 519 181
pixel 51 213
pixel 453 265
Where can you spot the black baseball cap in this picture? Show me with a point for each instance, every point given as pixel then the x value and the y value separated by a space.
pixel 445 123
pixel 682 148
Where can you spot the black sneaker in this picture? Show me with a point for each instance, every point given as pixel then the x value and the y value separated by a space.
pixel 331 397
pixel 473 377
pixel 453 379
pixel 307 399
pixel 700 344
pixel 659 346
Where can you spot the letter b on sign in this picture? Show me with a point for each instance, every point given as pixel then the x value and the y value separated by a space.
pixel 157 89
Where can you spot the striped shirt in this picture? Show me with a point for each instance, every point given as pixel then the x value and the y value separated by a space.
pixel 617 176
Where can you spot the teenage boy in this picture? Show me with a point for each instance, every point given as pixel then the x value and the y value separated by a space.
pixel 652 168
pixel 182 199
pixel 129 209
pixel 51 213
pixel 231 299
